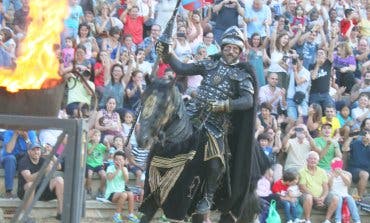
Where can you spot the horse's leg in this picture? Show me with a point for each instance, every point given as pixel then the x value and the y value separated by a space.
pixel 148 215
pixel 148 208
pixel 197 218
pixel 227 218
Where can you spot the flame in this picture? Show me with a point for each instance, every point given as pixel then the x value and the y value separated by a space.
pixel 37 63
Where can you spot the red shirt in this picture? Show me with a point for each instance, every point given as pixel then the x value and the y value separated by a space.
pixel 161 68
pixel 135 27
pixel 279 187
pixel 99 78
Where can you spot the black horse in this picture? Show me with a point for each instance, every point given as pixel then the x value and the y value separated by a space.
pixel 175 174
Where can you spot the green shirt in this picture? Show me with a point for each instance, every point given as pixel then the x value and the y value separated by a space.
pixel 325 161
pixel 314 183
pixel 96 158
pixel 117 184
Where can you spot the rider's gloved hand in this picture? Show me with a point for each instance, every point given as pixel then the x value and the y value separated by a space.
pixel 220 106
pixel 163 50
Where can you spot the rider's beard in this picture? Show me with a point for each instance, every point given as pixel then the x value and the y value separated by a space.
pixel 230 58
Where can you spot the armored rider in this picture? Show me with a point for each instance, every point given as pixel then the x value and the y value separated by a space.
pixel 226 87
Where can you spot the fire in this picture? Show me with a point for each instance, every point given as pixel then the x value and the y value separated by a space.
pixel 37 63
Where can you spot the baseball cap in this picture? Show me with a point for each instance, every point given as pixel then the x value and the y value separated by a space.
pixel 34 145
pixel 327 123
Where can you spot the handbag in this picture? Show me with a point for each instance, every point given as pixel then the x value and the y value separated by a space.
pixel 273 216
pixel 346 214
pixel 298 97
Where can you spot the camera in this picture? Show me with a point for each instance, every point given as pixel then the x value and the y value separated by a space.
pixel 356 133
pixel 294 61
pixel 298 129
pixel 180 34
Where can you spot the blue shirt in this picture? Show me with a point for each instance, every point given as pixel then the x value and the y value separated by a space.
pixel 152 55
pixel 257 26
pixel 359 155
pixel 20 145
pixel 309 51
pixel 74 17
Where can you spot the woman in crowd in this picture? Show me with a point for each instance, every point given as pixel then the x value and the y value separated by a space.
pixel 115 88
pixel 112 44
pixel 103 23
pixel 265 118
pixel 134 90
pixel 84 38
pixel 280 55
pixel 181 45
pixel 257 56
pixel 101 71
pixel 194 30
pixel 208 41
pixel 345 65
pixel 7 42
pixel 81 63
pixel 108 121
pixel 314 119
pixel 128 44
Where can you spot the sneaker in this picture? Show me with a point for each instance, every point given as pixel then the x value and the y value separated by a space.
pixel 297 220
pixel 326 221
pixel 59 216
pixel 29 220
pixel 290 221
pixel 9 195
pixel 132 218
pixel 100 194
pixel 307 221
pixel 117 218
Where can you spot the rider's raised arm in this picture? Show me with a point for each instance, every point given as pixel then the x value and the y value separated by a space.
pixel 185 69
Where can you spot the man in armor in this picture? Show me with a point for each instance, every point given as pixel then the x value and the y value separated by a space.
pixel 227 92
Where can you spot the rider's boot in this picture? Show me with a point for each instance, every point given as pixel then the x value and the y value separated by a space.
pixel 214 171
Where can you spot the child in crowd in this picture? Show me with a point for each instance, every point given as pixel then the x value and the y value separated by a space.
pixel 264 186
pixel 95 162
pixel 68 53
pixel 117 176
pixel 118 144
pixel 264 140
pixel 344 115
pixel 299 18
pixel 137 156
pixel 339 181
pixel 288 191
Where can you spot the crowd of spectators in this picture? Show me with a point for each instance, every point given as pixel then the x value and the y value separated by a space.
pixel 311 60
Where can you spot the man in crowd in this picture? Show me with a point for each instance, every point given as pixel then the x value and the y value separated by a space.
pixel 149 42
pixel 330 116
pixel 29 168
pixel 297 147
pixel 14 147
pixel 226 15
pixel 257 17
pixel 320 77
pixel 359 162
pixel 327 147
pixel 273 94
pixel 313 183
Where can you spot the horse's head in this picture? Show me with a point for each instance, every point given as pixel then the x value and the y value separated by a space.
pixel 160 102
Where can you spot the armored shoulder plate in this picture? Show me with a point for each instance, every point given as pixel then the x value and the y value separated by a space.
pixel 209 64
pixel 239 74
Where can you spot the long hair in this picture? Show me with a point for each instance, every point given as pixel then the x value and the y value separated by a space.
pixel 111 73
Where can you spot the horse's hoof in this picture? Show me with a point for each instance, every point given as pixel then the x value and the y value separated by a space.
pixel 197 218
